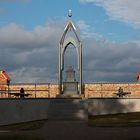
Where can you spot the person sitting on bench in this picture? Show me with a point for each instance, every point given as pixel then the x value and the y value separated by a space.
pixel 22 93
pixel 120 91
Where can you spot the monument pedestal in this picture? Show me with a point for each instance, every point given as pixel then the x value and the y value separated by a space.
pixel 70 90
pixel 70 86
pixel 69 96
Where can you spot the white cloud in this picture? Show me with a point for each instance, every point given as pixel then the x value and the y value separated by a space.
pixel 32 74
pixel 32 51
pixel 122 10
pixel 32 56
pixel 86 30
pixel 82 25
pixel 14 35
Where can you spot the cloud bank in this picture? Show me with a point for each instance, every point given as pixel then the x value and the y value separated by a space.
pixel 126 11
pixel 32 56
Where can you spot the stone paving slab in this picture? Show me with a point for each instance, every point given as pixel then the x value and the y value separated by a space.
pixel 69 130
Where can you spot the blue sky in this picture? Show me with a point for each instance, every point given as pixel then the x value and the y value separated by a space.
pixel 29 28
pixel 31 13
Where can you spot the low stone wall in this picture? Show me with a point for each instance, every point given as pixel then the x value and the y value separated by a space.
pixel 36 90
pixel 98 106
pixel 108 89
pixel 14 111
pixel 89 90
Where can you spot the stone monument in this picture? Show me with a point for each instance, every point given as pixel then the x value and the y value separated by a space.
pixel 70 85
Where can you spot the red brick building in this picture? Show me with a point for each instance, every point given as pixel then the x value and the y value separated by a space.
pixel 4 84
pixel 138 77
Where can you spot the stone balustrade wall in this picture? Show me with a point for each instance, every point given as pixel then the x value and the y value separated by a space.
pixel 89 90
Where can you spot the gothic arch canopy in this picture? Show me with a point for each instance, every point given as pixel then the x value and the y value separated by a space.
pixel 63 45
pixel 70 26
pixel 67 42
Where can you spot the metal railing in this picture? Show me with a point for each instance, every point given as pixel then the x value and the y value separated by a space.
pixel 32 89
pixel 37 90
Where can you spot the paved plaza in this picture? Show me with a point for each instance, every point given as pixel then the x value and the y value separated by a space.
pixel 74 130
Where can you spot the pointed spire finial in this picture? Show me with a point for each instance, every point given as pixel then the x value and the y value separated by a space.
pixel 70 13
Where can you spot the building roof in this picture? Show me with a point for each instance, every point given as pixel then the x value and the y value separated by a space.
pixel 138 76
pixel 6 76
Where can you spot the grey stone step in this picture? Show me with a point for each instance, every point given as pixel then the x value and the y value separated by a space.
pixel 67 119
pixel 66 100
pixel 67 109
pixel 66 105
pixel 66 113
pixel 73 116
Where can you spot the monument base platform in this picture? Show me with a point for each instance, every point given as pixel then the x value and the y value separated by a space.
pixel 69 95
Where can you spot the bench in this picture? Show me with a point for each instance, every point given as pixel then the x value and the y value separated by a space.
pixel 122 94
pixel 19 94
